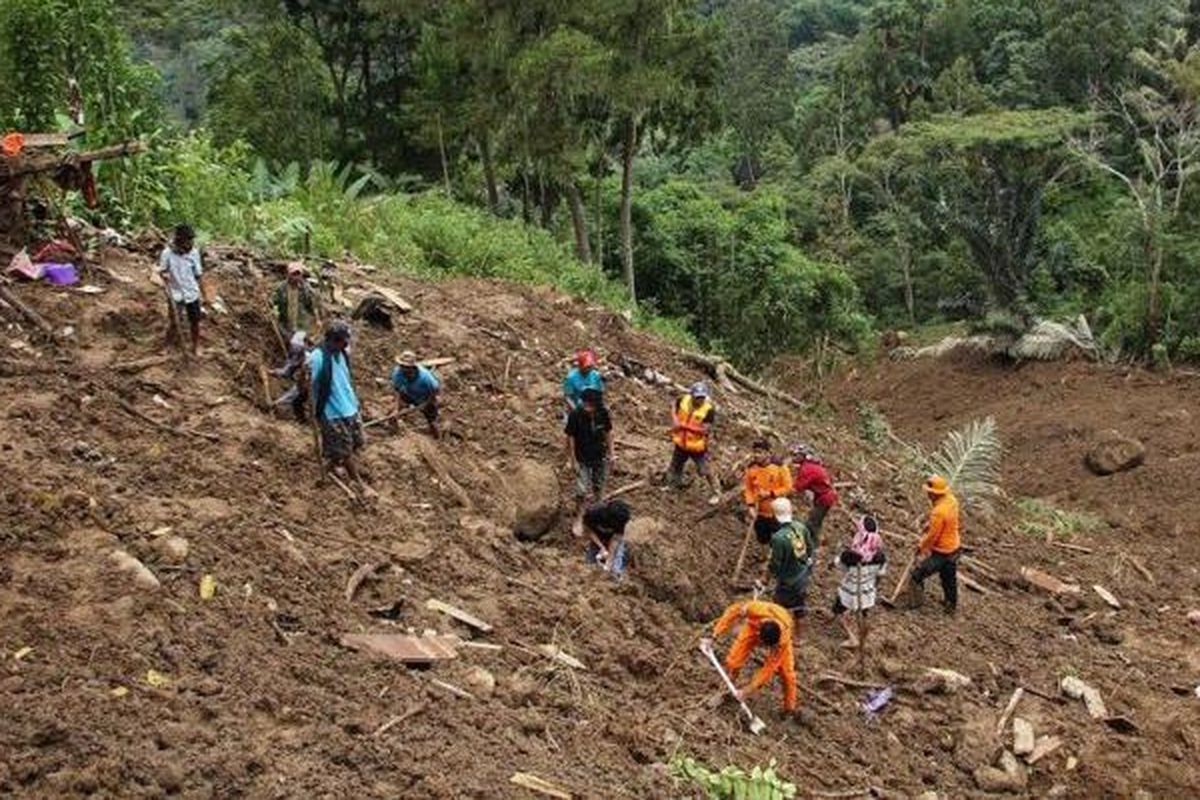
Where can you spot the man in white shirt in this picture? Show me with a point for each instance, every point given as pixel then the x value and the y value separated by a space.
pixel 180 268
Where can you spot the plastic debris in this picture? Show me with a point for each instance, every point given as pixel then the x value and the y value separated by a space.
pixel 24 651
pixel 208 587
pixel 876 701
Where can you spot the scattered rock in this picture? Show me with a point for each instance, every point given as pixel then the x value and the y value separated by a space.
pixel 1074 688
pixel 1044 747
pixel 1112 452
pixel 173 549
pixel 533 488
pixel 1010 776
pixel 1023 736
pixel 139 572
pixel 482 682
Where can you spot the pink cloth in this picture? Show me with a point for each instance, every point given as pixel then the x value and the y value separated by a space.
pixel 866 543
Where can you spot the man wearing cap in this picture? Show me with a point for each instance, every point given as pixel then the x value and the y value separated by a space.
pixel 589 450
pixel 793 549
pixel 417 386
pixel 295 304
pixel 810 475
pixel 335 405
pixel 939 547
pixel 582 376
pixel 691 434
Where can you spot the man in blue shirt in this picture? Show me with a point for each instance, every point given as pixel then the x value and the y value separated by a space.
pixel 417 386
pixel 335 404
pixel 583 376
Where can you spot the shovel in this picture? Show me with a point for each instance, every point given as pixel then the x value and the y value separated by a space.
pixel 757 726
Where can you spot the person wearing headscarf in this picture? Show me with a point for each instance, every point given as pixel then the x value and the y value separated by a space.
pixel 861 563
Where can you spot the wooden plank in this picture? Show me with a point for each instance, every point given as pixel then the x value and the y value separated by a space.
pixel 971 583
pixel 452 689
pixel 1009 709
pixel 402 647
pixel 1044 747
pixel 457 613
pixel 540 785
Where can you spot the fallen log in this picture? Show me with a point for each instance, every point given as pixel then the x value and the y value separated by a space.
pixel 718 368
pixel 25 311
pixel 1017 694
pixel 162 426
pixel 394 721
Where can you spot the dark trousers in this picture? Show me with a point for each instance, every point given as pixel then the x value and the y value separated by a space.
pixel 946 566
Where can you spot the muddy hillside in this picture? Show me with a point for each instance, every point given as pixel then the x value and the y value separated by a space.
pixel 184 600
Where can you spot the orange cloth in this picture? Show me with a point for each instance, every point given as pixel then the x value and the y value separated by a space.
pixel 691 422
pixel 761 485
pixel 13 144
pixel 942 534
pixel 780 661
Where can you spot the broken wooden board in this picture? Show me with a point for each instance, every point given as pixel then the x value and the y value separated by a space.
pixel 458 614
pixel 1047 582
pixel 402 647
pixel 1044 747
pixel 540 785
pixel 402 305
pixel 1106 595
pixel 556 654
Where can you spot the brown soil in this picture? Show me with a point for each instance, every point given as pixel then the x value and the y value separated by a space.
pixel 261 701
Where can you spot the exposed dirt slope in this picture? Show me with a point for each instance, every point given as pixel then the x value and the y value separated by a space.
pixel 261 701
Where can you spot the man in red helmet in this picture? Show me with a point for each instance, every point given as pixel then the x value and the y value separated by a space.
pixel 582 377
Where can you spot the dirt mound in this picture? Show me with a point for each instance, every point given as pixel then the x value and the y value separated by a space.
pixel 116 688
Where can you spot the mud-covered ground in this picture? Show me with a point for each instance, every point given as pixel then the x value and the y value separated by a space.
pixel 258 699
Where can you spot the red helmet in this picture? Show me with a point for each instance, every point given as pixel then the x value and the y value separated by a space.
pixel 585 359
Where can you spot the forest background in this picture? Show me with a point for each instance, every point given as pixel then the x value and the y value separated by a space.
pixel 758 176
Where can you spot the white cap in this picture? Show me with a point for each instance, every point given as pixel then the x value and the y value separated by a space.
pixel 782 508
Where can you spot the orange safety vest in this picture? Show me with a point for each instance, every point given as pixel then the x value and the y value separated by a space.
pixel 689 435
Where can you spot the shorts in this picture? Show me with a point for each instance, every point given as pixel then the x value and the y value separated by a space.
pixel 341 438
pixel 764 529
pixel 192 310
pixel 839 608
pixel 794 598
pixel 429 410
pixel 590 480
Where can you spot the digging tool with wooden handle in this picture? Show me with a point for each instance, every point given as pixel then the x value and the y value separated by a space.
pixel 903 584
pixel 741 561
pixel 757 726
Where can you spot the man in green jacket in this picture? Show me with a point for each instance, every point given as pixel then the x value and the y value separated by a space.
pixel 793 550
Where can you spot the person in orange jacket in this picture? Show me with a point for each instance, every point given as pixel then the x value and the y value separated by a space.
pixel 764 481
pixel 766 625
pixel 939 547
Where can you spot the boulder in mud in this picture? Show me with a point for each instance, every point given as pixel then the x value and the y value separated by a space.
pixel 1113 452
pixel 533 489
pixel 141 575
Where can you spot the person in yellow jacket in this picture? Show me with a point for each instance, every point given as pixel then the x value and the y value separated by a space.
pixel 939 547
pixel 692 435
pixel 766 625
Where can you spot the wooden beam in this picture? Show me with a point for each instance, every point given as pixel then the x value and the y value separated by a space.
pixel 458 614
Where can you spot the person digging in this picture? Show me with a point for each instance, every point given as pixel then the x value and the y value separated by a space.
pixel 768 626
pixel 181 271
pixel 692 434
pixel 810 475
pixel 296 306
pixel 604 524
pixel 940 547
pixel 793 549
pixel 589 451
pixel 335 404
pixel 418 387
pixel 764 482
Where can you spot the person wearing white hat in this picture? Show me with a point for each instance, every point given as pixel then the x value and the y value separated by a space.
pixel 692 434
pixel 793 549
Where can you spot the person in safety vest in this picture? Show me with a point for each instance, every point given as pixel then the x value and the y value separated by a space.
pixel 769 626
pixel 692 434
pixel 763 482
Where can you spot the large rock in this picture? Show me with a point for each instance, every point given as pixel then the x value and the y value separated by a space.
pixel 532 488
pixel 141 575
pixel 1113 452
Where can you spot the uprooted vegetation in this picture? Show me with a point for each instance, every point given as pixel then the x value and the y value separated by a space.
pixel 590 687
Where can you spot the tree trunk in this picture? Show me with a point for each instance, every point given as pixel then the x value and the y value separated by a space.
pixel 583 247
pixel 906 266
pixel 442 152
pixel 1154 309
pixel 628 151
pixel 526 212
pixel 599 249
pixel 489 173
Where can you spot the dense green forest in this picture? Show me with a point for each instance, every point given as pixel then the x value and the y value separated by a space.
pixel 778 175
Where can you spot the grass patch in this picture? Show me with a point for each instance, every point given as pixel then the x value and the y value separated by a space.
pixel 1043 520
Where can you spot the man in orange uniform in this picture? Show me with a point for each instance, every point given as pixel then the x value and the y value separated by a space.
pixel 764 481
pixel 766 625
pixel 692 434
pixel 939 547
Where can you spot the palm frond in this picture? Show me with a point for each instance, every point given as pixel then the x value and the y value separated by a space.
pixel 969 459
